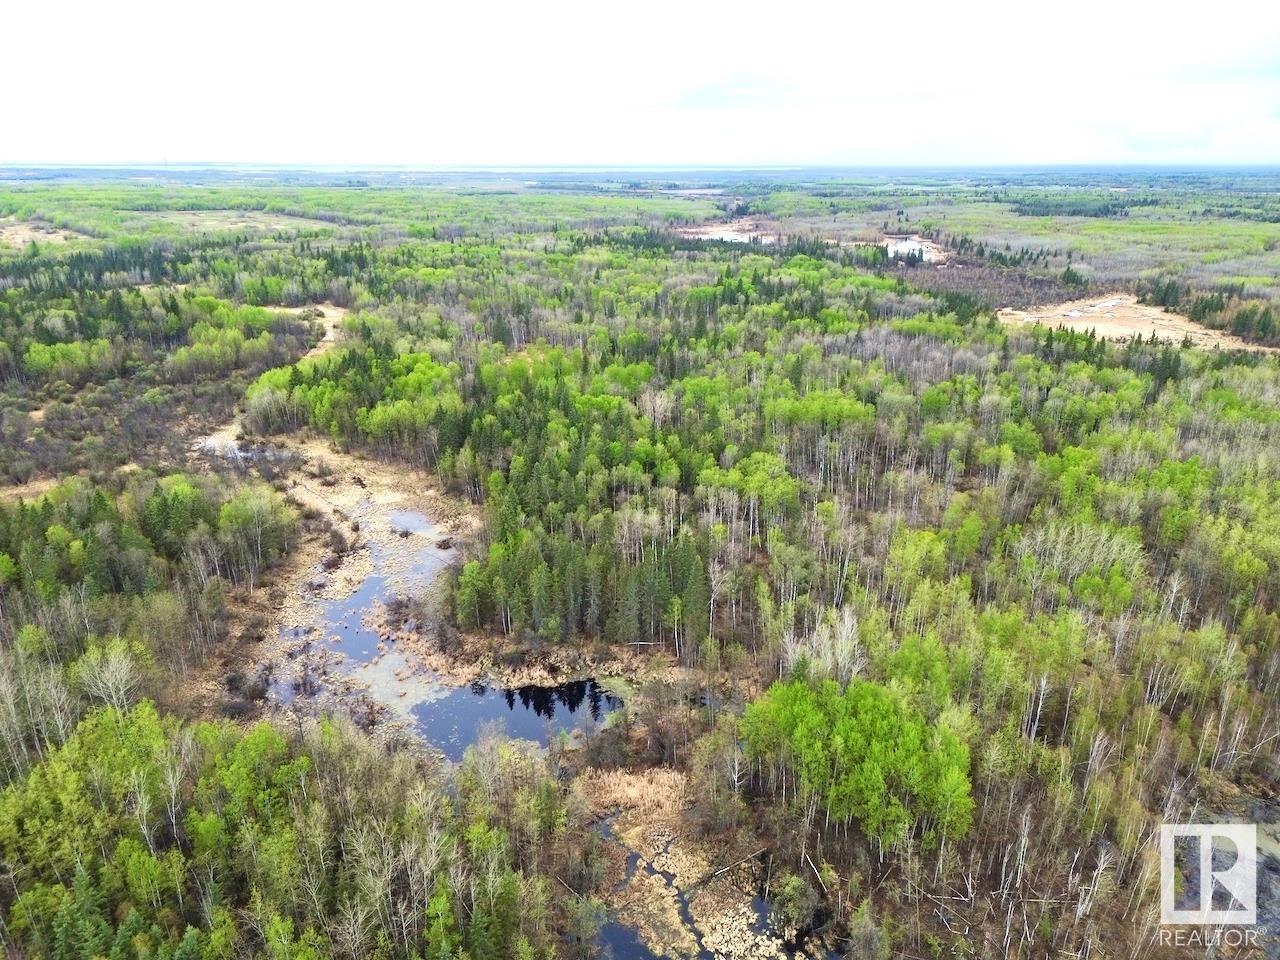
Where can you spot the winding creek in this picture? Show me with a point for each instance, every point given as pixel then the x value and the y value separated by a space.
pixel 345 639
pixel 623 942
pixel 333 643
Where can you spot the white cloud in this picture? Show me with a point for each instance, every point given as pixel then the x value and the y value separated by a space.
pixel 655 83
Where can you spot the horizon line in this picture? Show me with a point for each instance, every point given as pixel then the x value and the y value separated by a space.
pixel 161 165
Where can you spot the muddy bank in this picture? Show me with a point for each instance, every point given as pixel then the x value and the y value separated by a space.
pixel 492 657
pixel 330 317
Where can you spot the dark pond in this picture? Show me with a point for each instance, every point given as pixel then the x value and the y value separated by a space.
pixel 527 713
pixel 620 942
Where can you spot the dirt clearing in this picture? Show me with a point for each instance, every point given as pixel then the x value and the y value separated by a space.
pixel 1120 316
pixel 740 230
pixel 19 233
pixel 900 248
pixel 211 220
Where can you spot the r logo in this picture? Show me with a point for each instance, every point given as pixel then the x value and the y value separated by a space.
pixel 1209 873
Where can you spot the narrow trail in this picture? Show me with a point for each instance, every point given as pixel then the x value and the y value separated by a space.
pixel 331 317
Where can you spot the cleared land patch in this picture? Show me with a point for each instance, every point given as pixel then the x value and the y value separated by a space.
pixel 900 248
pixel 213 220
pixel 19 233
pixel 30 491
pixel 1121 317
pixel 739 230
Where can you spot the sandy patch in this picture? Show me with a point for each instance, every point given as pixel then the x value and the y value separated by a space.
pixel 1120 316
pixel 899 248
pixel 19 233
pixel 357 478
pixel 738 230
pixel 225 441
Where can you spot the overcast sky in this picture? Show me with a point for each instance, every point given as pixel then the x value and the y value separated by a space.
pixel 649 83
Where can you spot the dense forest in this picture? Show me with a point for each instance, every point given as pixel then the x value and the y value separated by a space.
pixel 966 611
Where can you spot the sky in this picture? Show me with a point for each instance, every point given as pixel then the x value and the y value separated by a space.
pixel 658 83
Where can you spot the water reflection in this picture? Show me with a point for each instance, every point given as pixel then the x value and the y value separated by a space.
pixel 538 713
